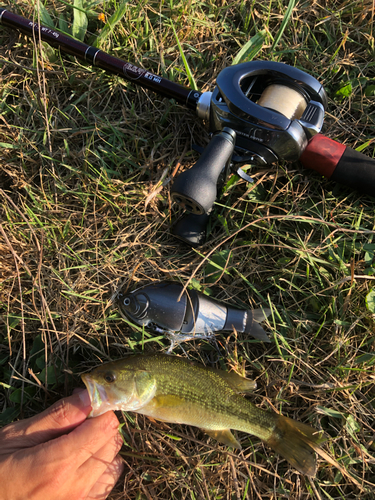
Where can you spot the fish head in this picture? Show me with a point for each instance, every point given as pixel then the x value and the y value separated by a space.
pixel 112 387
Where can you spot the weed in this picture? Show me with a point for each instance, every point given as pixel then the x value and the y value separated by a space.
pixel 82 151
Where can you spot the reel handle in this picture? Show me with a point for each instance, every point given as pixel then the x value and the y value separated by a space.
pixel 196 188
pixel 191 229
pixel 340 163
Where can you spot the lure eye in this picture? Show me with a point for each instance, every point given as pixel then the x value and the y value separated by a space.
pixel 109 377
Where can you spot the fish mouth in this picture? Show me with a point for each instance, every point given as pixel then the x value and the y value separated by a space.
pixel 98 397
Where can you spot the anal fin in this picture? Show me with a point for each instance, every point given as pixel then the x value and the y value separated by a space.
pixel 224 436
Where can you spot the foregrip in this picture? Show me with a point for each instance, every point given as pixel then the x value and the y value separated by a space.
pixel 340 163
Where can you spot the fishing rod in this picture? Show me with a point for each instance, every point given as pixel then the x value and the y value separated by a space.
pixel 260 112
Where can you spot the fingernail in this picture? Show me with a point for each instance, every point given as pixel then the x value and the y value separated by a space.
pixel 84 398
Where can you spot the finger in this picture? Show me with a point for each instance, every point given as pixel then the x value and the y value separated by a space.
pixel 85 440
pixel 96 465
pixel 107 480
pixel 59 419
pixel 77 390
pixel 55 466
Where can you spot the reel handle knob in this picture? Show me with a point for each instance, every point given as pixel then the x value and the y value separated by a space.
pixel 340 163
pixel 196 188
pixel 191 229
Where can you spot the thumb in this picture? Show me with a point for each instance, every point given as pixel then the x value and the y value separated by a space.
pixel 60 418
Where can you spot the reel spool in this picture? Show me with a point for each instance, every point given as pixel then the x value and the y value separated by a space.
pixel 271 110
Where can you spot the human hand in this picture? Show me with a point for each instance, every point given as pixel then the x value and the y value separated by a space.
pixel 59 455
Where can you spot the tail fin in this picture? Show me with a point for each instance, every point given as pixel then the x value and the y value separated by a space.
pixel 260 315
pixel 253 327
pixel 291 439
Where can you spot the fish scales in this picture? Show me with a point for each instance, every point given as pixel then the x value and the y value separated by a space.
pixel 211 399
pixel 176 390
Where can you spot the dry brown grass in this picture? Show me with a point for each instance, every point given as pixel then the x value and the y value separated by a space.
pixel 85 151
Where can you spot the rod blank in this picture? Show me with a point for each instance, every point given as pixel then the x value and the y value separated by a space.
pixel 102 60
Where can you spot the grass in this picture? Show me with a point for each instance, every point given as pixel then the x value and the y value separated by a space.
pixel 81 152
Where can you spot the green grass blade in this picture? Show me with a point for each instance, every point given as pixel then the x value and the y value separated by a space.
pixel 190 76
pixel 251 48
pixel 287 16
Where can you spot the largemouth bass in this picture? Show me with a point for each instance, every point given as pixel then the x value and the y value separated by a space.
pixel 176 390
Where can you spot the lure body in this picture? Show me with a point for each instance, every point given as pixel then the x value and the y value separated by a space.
pixel 165 307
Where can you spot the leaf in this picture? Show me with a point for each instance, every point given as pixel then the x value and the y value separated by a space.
pixel 195 285
pixel 364 145
pixel 63 25
pixel 8 415
pixel 351 425
pixel 369 253
pixel 216 266
pixel 224 222
pixel 251 48
pixel 283 261
pixel 364 358
pixel 45 18
pixel 38 346
pixel 370 91
pixel 51 375
pixel 258 193
pixel 8 145
pixel 80 21
pixel 344 91
pixel 13 321
pixel 370 300
pixel 16 395
pixel 329 412
pixel 233 179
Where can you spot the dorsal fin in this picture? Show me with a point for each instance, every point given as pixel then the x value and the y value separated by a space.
pixel 235 381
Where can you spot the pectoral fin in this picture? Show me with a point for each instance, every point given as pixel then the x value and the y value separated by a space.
pixel 224 436
pixel 167 408
pixel 168 401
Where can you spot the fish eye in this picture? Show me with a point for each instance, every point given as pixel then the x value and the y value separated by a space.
pixel 127 301
pixel 109 377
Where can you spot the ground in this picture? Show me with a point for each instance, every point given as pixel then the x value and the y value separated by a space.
pixel 85 175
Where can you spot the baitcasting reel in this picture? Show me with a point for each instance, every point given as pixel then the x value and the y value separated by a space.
pixel 261 112
pixel 166 308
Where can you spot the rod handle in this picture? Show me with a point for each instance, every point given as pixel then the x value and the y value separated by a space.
pixel 340 163
pixel 196 188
